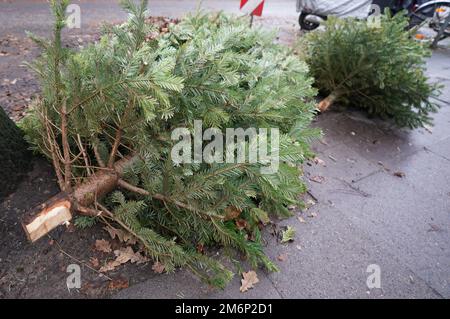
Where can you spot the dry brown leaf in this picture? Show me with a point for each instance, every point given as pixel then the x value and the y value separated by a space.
pixel 241 224
pixel 114 232
pixel 129 239
pixel 109 266
pixel 138 258
pixel 232 213
pixel 400 174
pixel 319 161
pixel 103 245
pixel 121 235
pixel 127 254
pixel 158 267
pixel 310 203
pixel 200 248
pixel 94 262
pixel 119 283
pixel 249 279
pixel 123 256
pixel 318 179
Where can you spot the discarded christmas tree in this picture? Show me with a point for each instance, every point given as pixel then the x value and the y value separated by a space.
pixel 378 68
pixel 106 118
pixel 14 157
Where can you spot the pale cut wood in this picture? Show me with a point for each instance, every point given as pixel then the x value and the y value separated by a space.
pixel 50 215
pixel 325 104
pixel 57 210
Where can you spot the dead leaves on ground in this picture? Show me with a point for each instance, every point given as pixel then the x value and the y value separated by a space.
pixel 103 245
pixel 400 174
pixel 317 179
pixel 94 262
pixel 123 256
pixel 232 213
pixel 121 235
pixel 319 161
pixel 249 279
pixel 158 267
pixel 118 284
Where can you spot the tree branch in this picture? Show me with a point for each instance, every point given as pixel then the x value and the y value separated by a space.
pixel 66 149
pixel 117 140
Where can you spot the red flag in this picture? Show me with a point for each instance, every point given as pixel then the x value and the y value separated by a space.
pixel 253 7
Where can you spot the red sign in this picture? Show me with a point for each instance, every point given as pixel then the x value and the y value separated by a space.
pixel 253 7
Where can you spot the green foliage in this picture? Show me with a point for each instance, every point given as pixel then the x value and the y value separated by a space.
pixel 381 70
pixel 210 68
pixel 83 222
pixel 288 235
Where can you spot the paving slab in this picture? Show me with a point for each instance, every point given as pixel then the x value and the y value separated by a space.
pixel 343 166
pixel 427 172
pixel 408 222
pixel 330 257
pixel 441 148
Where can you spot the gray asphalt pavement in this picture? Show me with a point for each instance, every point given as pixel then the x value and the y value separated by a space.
pixel 20 15
pixel 362 214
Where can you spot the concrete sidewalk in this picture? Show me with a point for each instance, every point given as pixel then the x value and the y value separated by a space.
pixel 364 215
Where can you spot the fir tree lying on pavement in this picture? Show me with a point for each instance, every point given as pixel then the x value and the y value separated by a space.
pixel 106 116
pixel 379 69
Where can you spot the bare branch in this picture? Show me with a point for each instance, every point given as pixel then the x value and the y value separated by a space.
pixel 66 149
pixel 83 151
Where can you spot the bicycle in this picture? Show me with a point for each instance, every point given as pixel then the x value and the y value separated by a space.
pixel 433 14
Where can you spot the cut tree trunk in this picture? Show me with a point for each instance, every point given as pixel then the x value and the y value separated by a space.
pixel 326 103
pixel 58 210
pixel 14 155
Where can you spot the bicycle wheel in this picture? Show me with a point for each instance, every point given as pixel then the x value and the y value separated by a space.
pixel 434 14
pixel 306 25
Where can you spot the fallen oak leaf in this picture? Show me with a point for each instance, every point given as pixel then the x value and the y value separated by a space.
pixel 249 279
pixel 158 267
pixel 114 232
pixel 127 254
pixel 121 235
pixel 319 161
pixel 399 174
pixel 94 262
pixel 119 283
pixel 110 266
pixel 123 256
pixel 129 239
pixel 317 179
pixel 103 245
